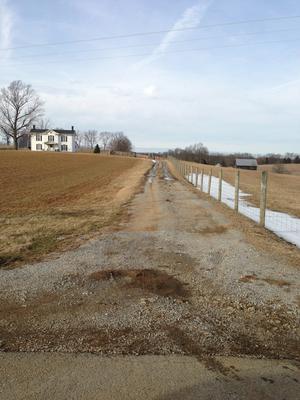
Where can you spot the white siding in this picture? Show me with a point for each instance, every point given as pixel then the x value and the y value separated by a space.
pixel 56 144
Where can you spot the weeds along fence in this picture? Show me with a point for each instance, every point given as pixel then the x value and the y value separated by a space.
pixel 270 201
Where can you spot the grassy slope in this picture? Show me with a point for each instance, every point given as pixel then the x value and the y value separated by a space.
pixel 48 199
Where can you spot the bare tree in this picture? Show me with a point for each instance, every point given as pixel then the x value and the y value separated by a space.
pixel 90 138
pixel 44 123
pixel 105 138
pixel 20 107
pixel 196 153
pixel 79 138
pixel 120 142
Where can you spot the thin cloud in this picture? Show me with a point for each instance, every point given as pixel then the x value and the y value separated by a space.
pixel 285 85
pixel 191 18
pixel 6 25
pixel 150 91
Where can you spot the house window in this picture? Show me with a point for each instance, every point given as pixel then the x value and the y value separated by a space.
pixel 64 147
pixel 39 147
pixel 38 138
pixel 64 138
pixel 50 138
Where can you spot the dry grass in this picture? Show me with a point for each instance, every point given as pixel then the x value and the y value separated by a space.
pixel 293 169
pixel 49 199
pixel 283 189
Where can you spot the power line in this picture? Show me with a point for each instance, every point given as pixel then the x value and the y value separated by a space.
pixel 151 32
pixel 167 52
pixel 152 44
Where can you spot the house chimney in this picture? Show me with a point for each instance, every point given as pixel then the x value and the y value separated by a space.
pixel 34 127
pixel 72 128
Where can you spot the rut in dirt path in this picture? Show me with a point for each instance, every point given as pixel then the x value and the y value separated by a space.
pixel 170 279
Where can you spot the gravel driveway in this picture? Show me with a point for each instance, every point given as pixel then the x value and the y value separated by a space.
pixel 176 277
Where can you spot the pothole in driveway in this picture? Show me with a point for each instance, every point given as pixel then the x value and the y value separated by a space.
pixel 149 280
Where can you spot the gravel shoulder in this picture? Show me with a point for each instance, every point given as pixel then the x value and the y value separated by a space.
pixel 176 277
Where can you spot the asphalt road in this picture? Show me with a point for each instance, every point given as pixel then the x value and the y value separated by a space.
pixel 91 377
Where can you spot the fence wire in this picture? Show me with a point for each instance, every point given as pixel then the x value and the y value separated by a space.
pixel 221 184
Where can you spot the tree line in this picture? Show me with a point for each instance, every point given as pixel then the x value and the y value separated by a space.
pixel 21 107
pixel 200 154
pixel 112 141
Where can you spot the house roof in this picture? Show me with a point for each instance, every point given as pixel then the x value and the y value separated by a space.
pixel 61 131
pixel 246 162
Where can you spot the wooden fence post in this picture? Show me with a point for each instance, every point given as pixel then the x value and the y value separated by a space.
pixel 263 197
pixel 209 181
pixel 220 185
pixel 193 175
pixel 197 177
pixel 202 180
pixel 237 190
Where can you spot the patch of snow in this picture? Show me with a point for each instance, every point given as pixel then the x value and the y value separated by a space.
pixel 283 225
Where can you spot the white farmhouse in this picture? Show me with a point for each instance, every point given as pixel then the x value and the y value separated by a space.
pixel 52 139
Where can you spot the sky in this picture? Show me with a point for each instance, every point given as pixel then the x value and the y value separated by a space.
pixel 166 73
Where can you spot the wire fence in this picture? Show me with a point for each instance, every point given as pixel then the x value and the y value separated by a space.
pixel 258 195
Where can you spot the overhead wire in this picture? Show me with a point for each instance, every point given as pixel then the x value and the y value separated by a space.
pixel 163 52
pixel 233 36
pixel 137 34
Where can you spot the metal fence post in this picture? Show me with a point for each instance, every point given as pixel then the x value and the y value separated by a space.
pixel 197 177
pixel 263 197
pixel 237 190
pixel 209 181
pixel 202 180
pixel 220 185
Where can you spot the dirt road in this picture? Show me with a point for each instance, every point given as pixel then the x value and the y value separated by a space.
pixel 176 277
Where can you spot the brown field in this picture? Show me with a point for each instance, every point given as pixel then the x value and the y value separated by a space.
pixel 293 169
pixel 47 200
pixel 283 189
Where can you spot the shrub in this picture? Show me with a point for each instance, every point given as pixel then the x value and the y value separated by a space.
pixel 279 169
pixel 97 149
